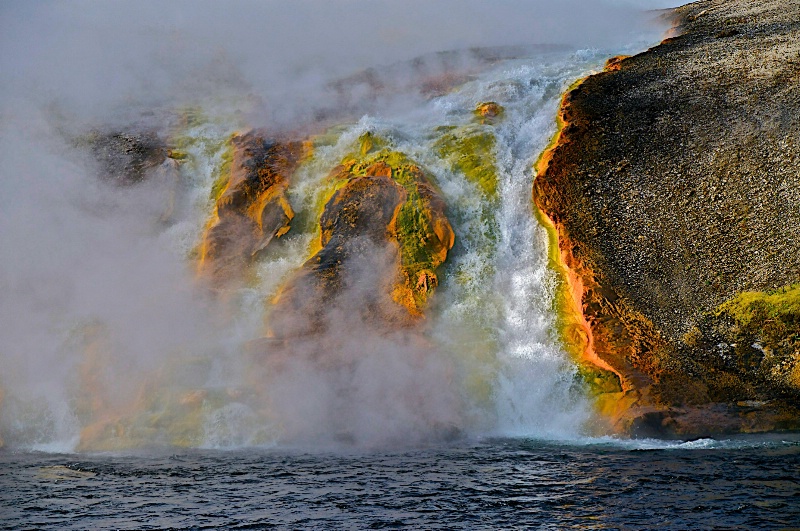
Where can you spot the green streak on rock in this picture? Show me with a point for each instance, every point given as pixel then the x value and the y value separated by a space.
pixel 423 240
pixel 470 150
pixel 414 233
pixel 176 154
pixel 370 143
pixel 223 173
pixel 599 381
pixel 414 227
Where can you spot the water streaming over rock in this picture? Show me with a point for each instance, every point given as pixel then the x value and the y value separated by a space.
pixel 490 361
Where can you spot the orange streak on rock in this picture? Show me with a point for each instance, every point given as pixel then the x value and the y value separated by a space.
pixel 576 288
pixel 615 63
pixel 565 260
pixel 204 242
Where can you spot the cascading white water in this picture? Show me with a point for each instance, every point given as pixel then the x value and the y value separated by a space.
pixel 493 315
pixel 495 362
pixel 510 295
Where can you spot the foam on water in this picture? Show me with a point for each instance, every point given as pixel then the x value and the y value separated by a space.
pixel 738 442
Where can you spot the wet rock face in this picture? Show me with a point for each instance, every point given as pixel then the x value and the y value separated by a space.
pixel 356 266
pixel 125 157
pixel 383 233
pixel 674 188
pixel 364 209
pixel 420 227
pixel 260 165
pixel 252 208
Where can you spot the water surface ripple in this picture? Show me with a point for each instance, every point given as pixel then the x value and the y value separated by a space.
pixel 500 483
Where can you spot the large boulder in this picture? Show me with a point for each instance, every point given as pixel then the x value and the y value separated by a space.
pixel 251 207
pixel 383 234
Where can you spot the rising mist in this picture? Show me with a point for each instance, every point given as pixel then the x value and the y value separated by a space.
pixel 101 310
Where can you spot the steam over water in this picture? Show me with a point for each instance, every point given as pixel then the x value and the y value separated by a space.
pixel 108 341
pixel 492 363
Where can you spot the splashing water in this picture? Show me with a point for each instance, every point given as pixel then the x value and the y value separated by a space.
pixel 534 391
pixel 492 363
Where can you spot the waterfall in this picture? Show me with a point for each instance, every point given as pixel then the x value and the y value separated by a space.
pixel 145 357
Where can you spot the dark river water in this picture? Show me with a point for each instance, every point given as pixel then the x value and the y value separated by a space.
pixel 742 483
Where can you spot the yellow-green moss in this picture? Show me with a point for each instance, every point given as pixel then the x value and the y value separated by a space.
pixel 370 142
pixel 414 226
pixel 563 304
pixel 758 306
pixel 570 329
pixel 773 317
pixel 398 161
pixel 599 381
pixel 470 150
pixel 414 232
pixel 177 154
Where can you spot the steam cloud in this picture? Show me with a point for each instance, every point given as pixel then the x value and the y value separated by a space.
pixel 75 251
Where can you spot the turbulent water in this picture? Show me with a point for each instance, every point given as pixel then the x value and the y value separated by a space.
pixel 500 483
pixel 169 367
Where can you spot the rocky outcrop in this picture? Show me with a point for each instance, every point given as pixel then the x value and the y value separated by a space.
pixel 126 157
pixel 250 203
pixel 489 112
pixel 674 188
pixel 383 234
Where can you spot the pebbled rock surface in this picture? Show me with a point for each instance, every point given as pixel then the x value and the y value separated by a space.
pixel 675 187
pixel 126 157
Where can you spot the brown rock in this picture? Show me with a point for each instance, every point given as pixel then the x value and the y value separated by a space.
pixel 383 234
pixel 674 187
pixel 252 208
pixel 126 157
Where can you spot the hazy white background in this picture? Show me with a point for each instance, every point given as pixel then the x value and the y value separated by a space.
pixel 93 55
